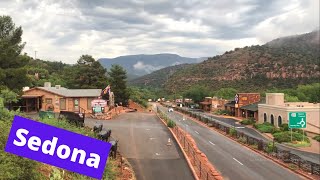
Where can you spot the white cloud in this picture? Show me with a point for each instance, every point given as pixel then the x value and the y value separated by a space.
pixel 64 30
pixel 146 67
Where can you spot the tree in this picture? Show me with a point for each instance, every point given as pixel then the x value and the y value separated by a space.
pixel 87 73
pixel 11 63
pixel 226 93
pixel 197 93
pixel 118 84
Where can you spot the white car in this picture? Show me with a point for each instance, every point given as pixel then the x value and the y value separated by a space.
pixel 170 110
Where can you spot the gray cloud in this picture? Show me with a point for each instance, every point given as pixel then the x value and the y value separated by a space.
pixel 65 29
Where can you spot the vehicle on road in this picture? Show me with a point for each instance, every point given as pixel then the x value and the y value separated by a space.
pixel 170 110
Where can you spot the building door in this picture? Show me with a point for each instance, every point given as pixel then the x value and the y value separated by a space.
pixel 76 104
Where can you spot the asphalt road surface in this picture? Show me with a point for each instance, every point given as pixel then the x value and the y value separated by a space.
pixel 312 157
pixel 143 141
pixel 230 158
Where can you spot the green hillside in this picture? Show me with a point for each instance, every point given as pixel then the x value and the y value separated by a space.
pixel 282 63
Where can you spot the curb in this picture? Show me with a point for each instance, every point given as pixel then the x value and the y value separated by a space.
pixel 181 148
pixel 256 151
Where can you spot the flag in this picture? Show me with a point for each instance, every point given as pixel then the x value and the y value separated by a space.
pixel 106 90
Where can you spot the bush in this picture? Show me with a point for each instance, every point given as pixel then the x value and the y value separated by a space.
pixel 171 124
pixel 13 166
pixel 232 131
pixel 284 127
pixel 222 112
pixel 286 137
pixel 265 127
pixel 247 121
pixel 270 147
pixel 317 138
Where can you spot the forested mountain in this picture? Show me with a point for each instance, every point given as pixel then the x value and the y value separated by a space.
pixel 139 65
pixel 282 63
pixel 158 78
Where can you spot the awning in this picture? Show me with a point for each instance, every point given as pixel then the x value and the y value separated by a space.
pixel 229 105
pixel 31 96
pixel 250 107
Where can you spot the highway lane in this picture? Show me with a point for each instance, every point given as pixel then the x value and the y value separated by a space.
pixel 231 159
pixel 312 157
pixel 143 141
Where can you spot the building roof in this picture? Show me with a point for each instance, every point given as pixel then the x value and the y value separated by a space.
pixel 72 92
pixel 251 107
pixel 254 106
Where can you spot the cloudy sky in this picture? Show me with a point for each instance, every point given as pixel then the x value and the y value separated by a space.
pixel 65 29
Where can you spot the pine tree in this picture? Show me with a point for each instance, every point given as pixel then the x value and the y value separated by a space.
pixel 118 83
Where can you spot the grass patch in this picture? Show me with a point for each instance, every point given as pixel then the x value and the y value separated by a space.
pixel 265 127
pixel 299 144
pixel 16 167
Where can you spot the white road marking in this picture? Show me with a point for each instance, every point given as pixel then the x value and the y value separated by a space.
pixel 237 161
pixel 157 154
pixel 148 129
pixel 152 138
pixel 240 127
pixel 196 132
pixel 211 143
pixel 187 125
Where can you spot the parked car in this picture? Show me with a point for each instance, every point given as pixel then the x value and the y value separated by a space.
pixel 170 110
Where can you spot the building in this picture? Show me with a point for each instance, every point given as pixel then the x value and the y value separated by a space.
pixel 239 107
pixel 212 103
pixel 276 111
pixel 58 98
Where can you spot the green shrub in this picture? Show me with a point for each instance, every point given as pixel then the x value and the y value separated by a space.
pixel 171 124
pixel 247 121
pixel 265 127
pixel 284 127
pixel 286 137
pixel 270 147
pixel 222 112
pixel 12 166
pixel 317 138
pixel 232 131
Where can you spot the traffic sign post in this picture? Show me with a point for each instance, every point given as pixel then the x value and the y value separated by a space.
pixel 297 120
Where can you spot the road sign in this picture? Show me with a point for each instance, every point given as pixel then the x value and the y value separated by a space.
pixel 297 120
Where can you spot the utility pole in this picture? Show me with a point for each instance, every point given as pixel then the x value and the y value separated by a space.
pixel 35 55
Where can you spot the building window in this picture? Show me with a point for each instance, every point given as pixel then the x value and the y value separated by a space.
pixel 272 119
pixel 62 104
pixel 89 103
pixel 265 117
pixel 48 100
pixel 279 121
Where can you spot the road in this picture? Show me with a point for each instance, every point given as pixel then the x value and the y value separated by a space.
pixel 143 141
pixel 312 157
pixel 231 159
